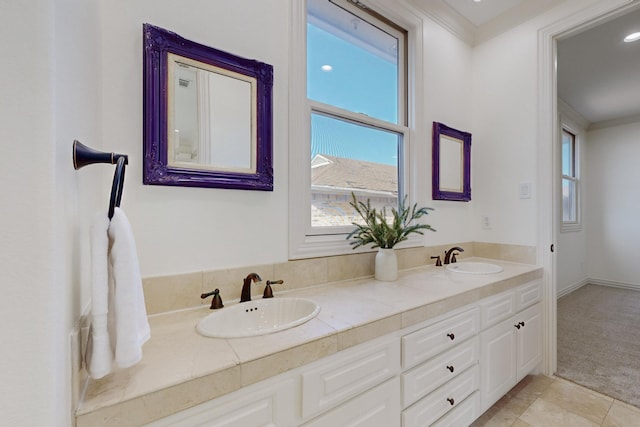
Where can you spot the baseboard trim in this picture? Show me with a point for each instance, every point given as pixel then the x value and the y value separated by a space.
pixel 574 287
pixel 601 282
pixel 615 284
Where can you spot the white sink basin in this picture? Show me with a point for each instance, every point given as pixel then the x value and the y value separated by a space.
pixel 259 317
pixel 474 268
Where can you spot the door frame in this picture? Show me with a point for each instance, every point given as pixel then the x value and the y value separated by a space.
pixel 548 156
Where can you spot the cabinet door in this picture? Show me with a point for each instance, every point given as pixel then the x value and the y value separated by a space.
pixel 379 407
pixel 497 361
pixel 529 340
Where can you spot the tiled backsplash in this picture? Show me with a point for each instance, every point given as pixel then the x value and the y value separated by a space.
pixel 175 292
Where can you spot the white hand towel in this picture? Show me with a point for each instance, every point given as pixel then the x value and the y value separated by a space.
pixel 99 355
pixel 128 325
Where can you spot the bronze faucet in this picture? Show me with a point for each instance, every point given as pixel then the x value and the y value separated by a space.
pixel 447 254
pixel 246 286
pixel 268 292
pixel 216 302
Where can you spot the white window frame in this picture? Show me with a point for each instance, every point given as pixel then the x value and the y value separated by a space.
pixel 303 242
pixel 571 226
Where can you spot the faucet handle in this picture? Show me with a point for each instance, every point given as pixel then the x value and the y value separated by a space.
pixel 438 260
pixel 453 257
pixel 268 292
pixel 216 302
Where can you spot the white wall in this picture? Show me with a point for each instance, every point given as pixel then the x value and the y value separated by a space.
pixel 48 99
pixel 505 113
pixel 447 86
pixel 181 229
pixel 614 203
pixel 504 136
pixel 27 224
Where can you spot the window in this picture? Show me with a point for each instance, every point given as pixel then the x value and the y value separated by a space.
pixel 355 89
pixel 570 182
pixel 350 132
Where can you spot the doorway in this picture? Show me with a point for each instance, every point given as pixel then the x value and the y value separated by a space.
pixel 568 249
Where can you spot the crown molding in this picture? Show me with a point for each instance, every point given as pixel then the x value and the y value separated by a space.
pixel 614 122
pixel 567 110
pixel 446 17
pixel 513 17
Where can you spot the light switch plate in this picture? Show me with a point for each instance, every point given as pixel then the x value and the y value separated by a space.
pixel 524 190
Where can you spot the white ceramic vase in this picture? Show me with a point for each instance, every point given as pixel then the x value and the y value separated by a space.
pixel 386 265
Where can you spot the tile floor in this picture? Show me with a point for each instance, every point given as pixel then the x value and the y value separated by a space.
pixel 540 401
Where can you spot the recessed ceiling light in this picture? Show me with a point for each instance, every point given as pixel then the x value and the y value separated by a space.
pixel 632 37
pixel 327 67
pixel 477 1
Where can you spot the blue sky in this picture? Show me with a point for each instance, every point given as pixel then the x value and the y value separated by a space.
pixel 371 90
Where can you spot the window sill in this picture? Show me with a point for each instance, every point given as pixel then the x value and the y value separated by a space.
pixel 570 227
pixel 331 245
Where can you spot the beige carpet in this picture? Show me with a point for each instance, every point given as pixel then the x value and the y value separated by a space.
pixel 599 340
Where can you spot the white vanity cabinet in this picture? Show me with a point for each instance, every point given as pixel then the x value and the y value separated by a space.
pixel 511 340
pixel 443 372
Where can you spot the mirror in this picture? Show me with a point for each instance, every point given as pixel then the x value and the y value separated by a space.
pixel 207 115
pixel 451 164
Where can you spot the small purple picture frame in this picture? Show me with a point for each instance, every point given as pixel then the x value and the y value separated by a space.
pixel 158 43
pixel 447 194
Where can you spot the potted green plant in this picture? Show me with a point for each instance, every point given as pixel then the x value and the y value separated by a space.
pixel 382 234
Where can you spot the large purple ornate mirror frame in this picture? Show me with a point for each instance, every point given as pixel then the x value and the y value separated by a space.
pixel 451 164
pixel 159 46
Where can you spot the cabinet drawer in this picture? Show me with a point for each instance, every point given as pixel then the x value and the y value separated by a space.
pixel 427 342
pixel 497 308
pixel 529 294
pixel 378 407
pixel 442 401
pixel 425 378
pixel 347 375
pixel 251 407
pixel 463 415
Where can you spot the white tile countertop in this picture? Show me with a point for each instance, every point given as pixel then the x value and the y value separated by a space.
pixel 180 368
